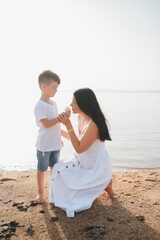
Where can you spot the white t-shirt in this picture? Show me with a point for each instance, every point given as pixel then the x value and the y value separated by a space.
pixel 48 139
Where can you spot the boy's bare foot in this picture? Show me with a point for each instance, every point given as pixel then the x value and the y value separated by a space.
pixel 39 199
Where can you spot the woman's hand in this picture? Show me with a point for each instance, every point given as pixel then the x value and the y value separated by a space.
pixel 64 118
pixel 68 111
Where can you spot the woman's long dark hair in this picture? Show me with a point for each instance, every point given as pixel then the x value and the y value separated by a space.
pixel 87 102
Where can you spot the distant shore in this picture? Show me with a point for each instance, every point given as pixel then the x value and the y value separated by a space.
pixel 134 214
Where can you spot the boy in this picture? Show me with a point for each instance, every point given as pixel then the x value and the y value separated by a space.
pixel 48 143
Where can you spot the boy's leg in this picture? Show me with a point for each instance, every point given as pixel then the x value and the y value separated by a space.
pixel 42 166
pixel 40 182
pixel 54 158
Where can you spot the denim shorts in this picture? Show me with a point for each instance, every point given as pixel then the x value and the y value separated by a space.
pixel 47 159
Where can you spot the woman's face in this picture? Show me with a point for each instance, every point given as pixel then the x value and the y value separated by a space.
pixel 75 107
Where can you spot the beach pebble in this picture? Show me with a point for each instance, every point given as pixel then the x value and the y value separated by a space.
pixel 8 229
pixel 150 180
pixel 42 211
pixel 17 204
pixel 4 229
pixel 30 230
pixel 7 179
pixel 127 194
pixel 54 218
pixel 22 208
pixel 7 201
pixel 140 218
pixel 109 219
pixel 33 203
pixel 156 203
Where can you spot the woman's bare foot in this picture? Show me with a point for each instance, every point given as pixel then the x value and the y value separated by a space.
pixel 109 190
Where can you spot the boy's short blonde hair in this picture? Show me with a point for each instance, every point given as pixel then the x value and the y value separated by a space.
pixel 47 77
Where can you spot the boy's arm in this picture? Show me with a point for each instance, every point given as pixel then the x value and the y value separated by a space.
pixel 49 123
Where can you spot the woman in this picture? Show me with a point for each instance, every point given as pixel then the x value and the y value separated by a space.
pixel 79 180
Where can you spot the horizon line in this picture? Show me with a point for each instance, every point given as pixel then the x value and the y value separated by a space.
pixel 127 90
pixel 119 90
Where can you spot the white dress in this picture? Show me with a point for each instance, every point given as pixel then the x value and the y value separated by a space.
pixel 77 181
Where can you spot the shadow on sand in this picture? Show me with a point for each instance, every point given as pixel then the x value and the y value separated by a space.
pixel 110 222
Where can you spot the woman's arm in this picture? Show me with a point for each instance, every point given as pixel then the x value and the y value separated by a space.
pixel 65 134
pixel 90 135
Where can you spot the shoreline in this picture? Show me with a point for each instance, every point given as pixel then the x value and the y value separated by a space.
pixel 134 214
pixel 114 169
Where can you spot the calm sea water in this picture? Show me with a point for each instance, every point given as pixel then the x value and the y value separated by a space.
pixel 134 119
pixel 135 129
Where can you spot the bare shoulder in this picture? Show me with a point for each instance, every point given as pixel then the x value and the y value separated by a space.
pixel 93 128
pixel 93 124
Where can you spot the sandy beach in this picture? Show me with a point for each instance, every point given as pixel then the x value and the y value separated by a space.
pixel 133 214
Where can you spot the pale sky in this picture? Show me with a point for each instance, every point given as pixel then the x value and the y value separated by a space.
pixel 104 44
pixel 101 44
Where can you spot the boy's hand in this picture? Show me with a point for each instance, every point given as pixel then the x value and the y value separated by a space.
pixel 63 118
